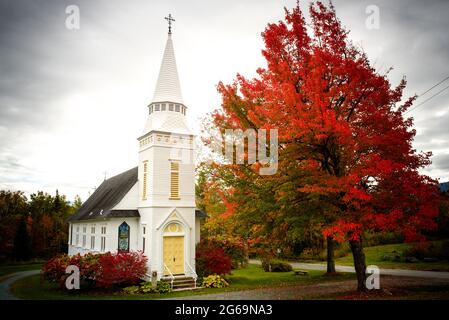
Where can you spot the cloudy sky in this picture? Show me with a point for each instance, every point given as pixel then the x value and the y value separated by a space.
pixel 73 102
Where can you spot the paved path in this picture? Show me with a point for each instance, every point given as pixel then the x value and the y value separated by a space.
pixel 5 293
pixel 390 272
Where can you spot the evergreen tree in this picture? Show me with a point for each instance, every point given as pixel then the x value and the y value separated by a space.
pixel 22 242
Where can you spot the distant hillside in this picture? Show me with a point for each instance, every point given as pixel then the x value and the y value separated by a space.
pixel 444 187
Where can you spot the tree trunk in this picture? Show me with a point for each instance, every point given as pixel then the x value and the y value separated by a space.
pixel 330 255
pixel 359 263
pixel 246 253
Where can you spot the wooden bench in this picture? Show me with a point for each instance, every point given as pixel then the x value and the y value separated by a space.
pixel 300 272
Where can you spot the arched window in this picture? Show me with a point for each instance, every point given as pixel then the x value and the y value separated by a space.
pixel 123 237
pixel 173 228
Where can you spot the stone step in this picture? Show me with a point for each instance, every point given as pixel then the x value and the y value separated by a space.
pixel 181 283
pixel 176 277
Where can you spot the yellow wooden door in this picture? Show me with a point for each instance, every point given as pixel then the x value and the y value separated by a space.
pixel 174 254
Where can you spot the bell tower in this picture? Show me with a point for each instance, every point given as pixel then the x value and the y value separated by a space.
pixel 166 170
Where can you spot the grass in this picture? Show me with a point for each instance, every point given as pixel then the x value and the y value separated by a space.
pixel 374 256
pixel 249 278
pixel 13 268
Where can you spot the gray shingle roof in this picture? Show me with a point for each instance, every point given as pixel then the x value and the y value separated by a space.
pixel 106 196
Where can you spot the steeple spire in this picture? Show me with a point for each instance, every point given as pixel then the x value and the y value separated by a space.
pixel 167 86
pixel 167 111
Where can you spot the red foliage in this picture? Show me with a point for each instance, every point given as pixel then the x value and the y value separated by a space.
pixel 121 269
pixel 340 123
pixel 212 260
pixel 103 270
pixel 54 269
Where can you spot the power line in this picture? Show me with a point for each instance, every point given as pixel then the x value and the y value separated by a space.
pixel 431 97
pixel 434 86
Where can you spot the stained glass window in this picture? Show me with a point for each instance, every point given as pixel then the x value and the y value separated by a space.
pixel 123 237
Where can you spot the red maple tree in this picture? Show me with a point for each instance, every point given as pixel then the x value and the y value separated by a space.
pixel 339 122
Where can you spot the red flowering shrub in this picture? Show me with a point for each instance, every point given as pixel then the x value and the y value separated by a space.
pixel 122 269
pixel 101 270
pixel 232 247
pixel 54 269
pixel 211 260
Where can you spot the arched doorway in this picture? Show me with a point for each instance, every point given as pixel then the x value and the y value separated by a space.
pixel 173 249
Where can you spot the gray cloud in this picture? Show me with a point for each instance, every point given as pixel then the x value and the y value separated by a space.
pixel 442 161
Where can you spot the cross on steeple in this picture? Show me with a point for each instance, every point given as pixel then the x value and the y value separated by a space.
pixel 169 19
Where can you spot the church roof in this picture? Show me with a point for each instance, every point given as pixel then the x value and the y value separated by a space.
pixel 106 196
pixel 167 86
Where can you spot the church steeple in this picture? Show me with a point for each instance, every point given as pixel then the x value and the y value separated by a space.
pixel 167 111
pixel 167 86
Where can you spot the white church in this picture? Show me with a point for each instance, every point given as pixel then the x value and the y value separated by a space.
pixel 151 207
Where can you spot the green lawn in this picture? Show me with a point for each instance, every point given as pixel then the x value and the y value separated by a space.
pixel 8 269
pixel 252 277
pixel 374 256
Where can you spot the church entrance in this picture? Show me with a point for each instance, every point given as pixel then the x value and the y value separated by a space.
pixel 174 254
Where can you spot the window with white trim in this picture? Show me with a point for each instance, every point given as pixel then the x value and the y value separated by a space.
pixel 144 231
pixel 103 239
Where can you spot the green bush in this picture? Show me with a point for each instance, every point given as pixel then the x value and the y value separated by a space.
pixel 163 287
pixel 131 290
pixel 276 266
pixel 265 263
pixel 433 250
pixel 214 281
pixel 147 287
